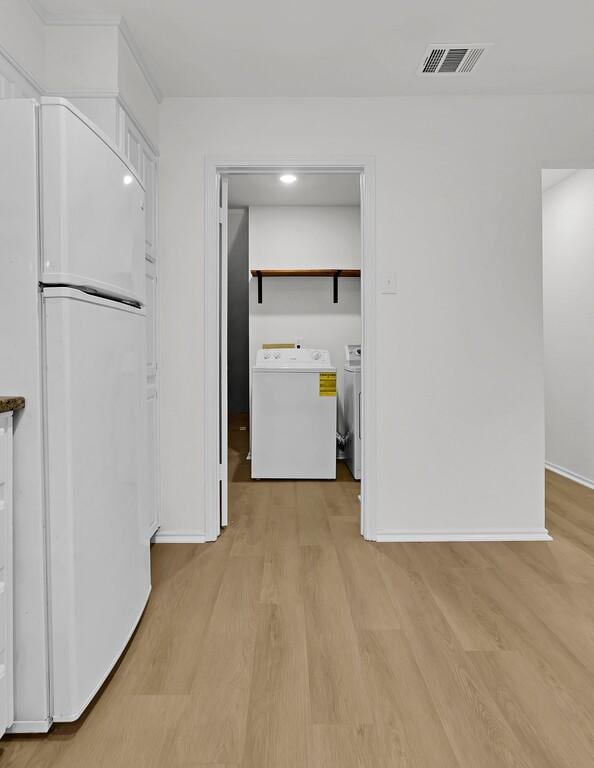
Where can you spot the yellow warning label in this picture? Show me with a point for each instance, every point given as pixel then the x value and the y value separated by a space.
pixel 327 385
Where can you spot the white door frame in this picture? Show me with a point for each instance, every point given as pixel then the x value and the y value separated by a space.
pixel 215 167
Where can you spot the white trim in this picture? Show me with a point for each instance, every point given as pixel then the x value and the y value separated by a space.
pixel 30 726
pixel 488 534
pixel 136 53
pixel 73 20
pixel 81 20
pixel 178 537
pixel 101 20
pixel 39 10
pixel 569 475
pixel 82 94
pixel 21 71
pixel 369 482
pixel 364 165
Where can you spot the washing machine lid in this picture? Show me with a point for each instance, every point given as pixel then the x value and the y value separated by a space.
pixel 304 360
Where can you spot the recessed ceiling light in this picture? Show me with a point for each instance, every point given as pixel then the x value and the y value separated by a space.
pixel 288 178
pixel 128 179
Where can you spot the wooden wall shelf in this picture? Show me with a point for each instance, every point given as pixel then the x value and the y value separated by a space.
pixel 332 273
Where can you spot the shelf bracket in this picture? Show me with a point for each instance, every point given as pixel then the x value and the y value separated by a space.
pixel 335 286
pixel 259 276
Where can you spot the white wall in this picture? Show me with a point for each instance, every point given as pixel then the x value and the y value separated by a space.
pixel 460 383
pixel 301 309
pixel 305 237
pixel 568 254
pixel 81 59
pixel 22 39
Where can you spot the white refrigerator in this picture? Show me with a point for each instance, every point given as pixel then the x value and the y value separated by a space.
pixel 72 341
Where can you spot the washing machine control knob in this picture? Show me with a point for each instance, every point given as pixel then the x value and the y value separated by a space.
pixel 266 355
pixel 315 354
pixel 277 355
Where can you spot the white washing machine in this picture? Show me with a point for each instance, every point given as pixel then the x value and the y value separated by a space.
pixel 352 408
pixel 293 417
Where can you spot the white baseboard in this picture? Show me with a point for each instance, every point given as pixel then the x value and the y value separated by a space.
pixel 178 537
pixel 30 726
pixel 569 475
pixel 538 534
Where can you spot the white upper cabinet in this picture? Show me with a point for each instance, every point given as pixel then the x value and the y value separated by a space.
pixel 152 412
pixel 141 156
pixel 149 177
pixel 151 317
pixel 90 196
pixel 133 146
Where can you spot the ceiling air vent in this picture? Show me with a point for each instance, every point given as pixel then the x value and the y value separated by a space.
pixel 451 59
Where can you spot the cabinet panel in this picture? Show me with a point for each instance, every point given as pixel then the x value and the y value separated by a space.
pixel 149 176
pixel 151 317
pixel 144 161
pixel 153 449
pixel 133 147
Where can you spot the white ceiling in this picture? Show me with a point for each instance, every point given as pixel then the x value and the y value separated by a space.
pixel 353 48
pixel 552 176
pixel 309 189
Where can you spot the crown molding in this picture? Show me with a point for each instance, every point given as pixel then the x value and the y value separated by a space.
pixel 82 94
pixel 138 57
pixel 73 20
pixel 83 20
pixel 39 10
pixel 21 71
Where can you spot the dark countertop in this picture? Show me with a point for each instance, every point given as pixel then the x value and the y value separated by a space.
pixel 11 404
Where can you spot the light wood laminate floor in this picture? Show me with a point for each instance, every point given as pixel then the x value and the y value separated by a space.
pixel 292 643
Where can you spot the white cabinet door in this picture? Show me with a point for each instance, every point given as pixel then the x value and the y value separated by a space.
pixel 6 667
pixel 133 146
pixel 140 155
pixel 149 176
pixel 151 318
pixel 153 448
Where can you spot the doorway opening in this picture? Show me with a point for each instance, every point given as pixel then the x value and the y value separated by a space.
pixel 294 339
pixel 290 251
pixel 568 310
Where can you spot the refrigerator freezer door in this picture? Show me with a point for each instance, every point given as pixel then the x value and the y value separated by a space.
pixel 92 209
pixel 96 467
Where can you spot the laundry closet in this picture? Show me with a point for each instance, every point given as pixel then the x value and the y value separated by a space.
pixel 294 326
